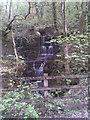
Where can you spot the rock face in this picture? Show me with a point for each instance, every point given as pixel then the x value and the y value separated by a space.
pixel 29 45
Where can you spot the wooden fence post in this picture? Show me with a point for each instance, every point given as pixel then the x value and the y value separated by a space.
pixel 45 84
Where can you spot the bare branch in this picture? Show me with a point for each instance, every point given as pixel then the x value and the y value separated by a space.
pixel 9 25
pixel 28 10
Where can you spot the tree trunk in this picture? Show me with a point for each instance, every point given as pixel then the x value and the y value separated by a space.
pixel 6 7
pixel 82 22
pixel 37 12
pixel 41 11
pixel 87 16
pixel 54 15
pixel 15 50
pixel 26 7
pixel 78 9
pixel 10 10
pixel 67 68
pixel 33 11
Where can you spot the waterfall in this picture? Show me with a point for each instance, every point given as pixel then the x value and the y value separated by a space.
pixel 39 72
pixel 43 55
pixel 41 45
pixel 39 34
pixel 50 49
pixel 43 50
pixel 42 40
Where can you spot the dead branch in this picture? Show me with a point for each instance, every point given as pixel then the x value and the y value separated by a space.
pixel 28 10
pixel 9 25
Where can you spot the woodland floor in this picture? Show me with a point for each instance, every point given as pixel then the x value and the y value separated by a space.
pixel 74 104
pixel 74 107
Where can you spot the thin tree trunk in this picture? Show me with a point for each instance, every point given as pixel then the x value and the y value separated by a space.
pixel 26 6
pixel 86 16
pixel 82 22
pixel 79 6
pixel 6 7
pixel 54 15
pixel 37 12
pixel 66 49
pixel 82 6
pixel 63 18
pixel 78 9
pixel 41 11
pixel 15 50
pixel 10 10
pixel 32 11
pixel 86 22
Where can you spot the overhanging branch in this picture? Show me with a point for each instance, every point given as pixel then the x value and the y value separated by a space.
pixel 9 25
pixel 28 10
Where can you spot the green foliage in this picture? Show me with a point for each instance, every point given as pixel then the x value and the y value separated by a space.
pixel 47 20
pixel 88 13
pixel 49 106
pixel 9 65
pixel 68 81
pixel 12 105
pixel 78 46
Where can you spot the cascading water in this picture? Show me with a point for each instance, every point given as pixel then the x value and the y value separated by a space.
pixel 43 54
pixel 39 34
pixel 50 49
pixel 43 50
pixel 39 72
pixel 42 40
pixel 43 47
